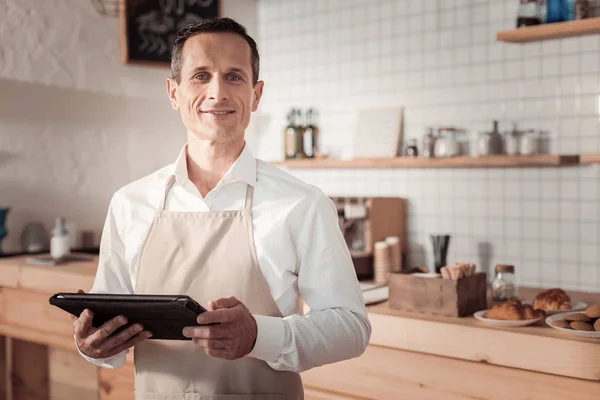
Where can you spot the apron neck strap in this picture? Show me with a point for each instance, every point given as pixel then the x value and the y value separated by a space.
pixel 168 187
pixel 249 193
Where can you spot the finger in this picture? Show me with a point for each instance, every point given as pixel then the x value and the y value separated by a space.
pixel 72 316
pixel 219 353
pixel 121 337
pixel 223 302
pixel 219 344
pixel 206 332
pixel 140 337
pixel 82 326
pixel 106 330
pixel 211 317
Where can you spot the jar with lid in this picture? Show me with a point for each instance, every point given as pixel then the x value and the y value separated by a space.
pixel 528 143
pixel 504 286
pixel 511 141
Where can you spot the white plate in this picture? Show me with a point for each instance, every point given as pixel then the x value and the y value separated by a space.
pixel 575 306
pixel 427 274
pixel 501 322
pixel 376 295
pixel 558 317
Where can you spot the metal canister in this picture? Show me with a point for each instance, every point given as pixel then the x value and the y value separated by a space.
pixel 428 148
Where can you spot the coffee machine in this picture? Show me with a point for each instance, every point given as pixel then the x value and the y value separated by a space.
pixel 367 220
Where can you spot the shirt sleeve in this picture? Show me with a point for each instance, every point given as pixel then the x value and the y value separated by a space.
pixel 112 275
pixel 337 327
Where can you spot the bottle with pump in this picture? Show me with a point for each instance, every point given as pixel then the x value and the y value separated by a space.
pixel 60 244
pixel 309 135
pixel 290 141
pixel 298 128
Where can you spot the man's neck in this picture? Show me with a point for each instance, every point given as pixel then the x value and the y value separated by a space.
pixel 208 162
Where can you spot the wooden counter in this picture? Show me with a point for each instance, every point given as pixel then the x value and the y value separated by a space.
pixel 409 356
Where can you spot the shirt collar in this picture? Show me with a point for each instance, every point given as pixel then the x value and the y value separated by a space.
pixel 243 169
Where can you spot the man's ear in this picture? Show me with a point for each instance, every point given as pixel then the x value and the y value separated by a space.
pixel 172 88
pixel 258 91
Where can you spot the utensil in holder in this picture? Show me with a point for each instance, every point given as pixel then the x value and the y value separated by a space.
pixel 440 245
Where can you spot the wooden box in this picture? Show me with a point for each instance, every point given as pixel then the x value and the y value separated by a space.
pixel 451 298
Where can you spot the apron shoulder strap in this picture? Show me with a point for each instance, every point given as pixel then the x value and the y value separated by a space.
pixel 168 187
pixel 249 193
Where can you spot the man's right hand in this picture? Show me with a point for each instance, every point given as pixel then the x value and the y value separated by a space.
pixel 99 342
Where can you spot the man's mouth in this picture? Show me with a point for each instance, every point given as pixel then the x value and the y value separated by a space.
pixel 218 112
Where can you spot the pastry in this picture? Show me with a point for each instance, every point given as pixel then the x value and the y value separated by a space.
pixel 562 324
pixel 552 299
pixel 581 326
pixel 597 325
pixel 577 317
pixel 509 310
pixel 513 310
pixel 530 313
pixel 593 311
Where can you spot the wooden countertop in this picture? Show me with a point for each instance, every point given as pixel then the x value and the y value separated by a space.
pixel 537 348
pixel 16 272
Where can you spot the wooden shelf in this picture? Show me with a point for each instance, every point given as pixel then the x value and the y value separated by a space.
pixel 590 158
pixel 547 160
pixel 551 31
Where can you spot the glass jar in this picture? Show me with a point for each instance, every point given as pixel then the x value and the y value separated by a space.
pixel 504 286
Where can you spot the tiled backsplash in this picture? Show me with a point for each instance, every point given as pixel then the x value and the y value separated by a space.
pixel 441 61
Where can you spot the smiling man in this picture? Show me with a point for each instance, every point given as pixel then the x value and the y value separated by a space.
pixel 240 236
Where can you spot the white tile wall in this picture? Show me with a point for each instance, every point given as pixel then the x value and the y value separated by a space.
pixel 440 60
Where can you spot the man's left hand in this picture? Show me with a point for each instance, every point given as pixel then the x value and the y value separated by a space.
pixel 233 337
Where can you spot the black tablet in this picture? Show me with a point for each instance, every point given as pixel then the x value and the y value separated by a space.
pixel 163 315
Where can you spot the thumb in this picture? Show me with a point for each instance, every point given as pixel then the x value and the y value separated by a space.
pixel 72 316
pixel 223 302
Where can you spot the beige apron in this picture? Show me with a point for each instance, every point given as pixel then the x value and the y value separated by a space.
pixel 205 255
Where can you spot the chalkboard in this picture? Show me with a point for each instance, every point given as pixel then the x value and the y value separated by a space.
pixel 148 27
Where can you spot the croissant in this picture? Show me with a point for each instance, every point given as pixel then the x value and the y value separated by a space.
pixel 513 310
pixel 552 299
pixel 530 313
pixel 509 310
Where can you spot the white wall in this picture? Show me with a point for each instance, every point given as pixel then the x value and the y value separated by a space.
pixel 75 123
pixel 441 61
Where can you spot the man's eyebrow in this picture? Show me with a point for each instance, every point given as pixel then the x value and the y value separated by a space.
pixel 239 70
pixel 202 68
pixel 199 69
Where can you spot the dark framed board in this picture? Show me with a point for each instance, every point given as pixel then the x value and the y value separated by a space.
pixel 148 27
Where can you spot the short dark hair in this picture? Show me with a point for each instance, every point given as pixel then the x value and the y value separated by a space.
pixel 211 25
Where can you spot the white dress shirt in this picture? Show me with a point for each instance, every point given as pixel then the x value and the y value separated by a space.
pixel 300 249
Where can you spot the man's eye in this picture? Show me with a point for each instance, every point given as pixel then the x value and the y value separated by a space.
pixel 234 78
pixel 201 76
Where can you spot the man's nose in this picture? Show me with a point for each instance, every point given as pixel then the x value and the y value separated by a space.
pixel 217 89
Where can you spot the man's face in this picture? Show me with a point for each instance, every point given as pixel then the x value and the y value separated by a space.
pixel 215 95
